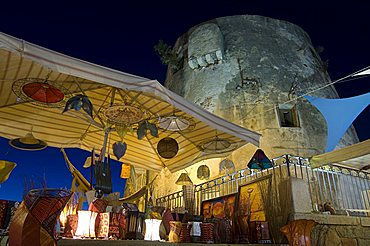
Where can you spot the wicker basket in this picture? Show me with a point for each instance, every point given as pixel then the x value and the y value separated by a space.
pixel 185 233
pixel 207 232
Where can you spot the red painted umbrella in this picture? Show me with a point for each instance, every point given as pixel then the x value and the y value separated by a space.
pixel 43 92
pixel 40 91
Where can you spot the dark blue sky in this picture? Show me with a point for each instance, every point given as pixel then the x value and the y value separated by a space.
pixel 122 36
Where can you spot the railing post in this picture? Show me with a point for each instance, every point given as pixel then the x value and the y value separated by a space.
pixel 287 164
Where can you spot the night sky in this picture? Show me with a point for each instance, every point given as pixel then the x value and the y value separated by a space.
pixel 122 36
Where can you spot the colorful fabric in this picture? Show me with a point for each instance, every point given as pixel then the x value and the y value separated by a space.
pixel 71 225
pixel 45 205
pixel 114 225
pixel 98 205
pixel 166 218
pixel 104 219
pixel 122 226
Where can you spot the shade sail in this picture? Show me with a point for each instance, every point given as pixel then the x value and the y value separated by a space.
pixel 355 156
pixel 365 71
pixel 104 87
pixel 345 109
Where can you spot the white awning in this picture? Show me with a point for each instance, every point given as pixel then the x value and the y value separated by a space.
pixel 103 86
pixel 356 156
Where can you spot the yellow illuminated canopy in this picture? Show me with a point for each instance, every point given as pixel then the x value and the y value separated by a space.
pixel 115 96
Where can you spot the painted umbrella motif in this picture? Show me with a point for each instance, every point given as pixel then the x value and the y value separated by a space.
pixel 119 149
pixel 77 102
pixel 259 161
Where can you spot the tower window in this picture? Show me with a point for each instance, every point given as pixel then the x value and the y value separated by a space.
pixel 288 116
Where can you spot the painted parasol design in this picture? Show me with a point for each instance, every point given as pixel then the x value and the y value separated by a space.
pixel 40 91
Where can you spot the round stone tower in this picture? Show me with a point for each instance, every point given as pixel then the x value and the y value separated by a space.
pixel 252 70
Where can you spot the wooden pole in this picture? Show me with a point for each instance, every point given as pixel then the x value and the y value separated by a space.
pixel 91 168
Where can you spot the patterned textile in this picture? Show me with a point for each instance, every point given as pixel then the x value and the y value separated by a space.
pixel 3 213
pixel 71 225
pixel 122 226
pixel 98 205
pixel 45 205
pixel 114 225
pixel 166 218
pixel 103 225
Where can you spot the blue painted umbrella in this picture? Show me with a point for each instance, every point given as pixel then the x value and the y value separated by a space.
pixel 259 161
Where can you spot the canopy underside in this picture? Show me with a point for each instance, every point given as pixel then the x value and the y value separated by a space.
pixel 104 87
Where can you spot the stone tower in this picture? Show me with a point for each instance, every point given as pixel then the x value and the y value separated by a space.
pixel 251 70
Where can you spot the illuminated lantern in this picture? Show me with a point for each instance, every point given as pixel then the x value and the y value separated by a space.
pixel 167 148
pixel 152 229
pixel 86 224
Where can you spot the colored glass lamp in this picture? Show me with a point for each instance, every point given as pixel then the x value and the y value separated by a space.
pixel 259 161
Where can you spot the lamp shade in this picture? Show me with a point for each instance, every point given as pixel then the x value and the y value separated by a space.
pixel 86 224
pixel 28 142
pixel 152 229
pixel 216 145
pixel 41 92
pixel 184 180
pixel 174 123
pixel 167 147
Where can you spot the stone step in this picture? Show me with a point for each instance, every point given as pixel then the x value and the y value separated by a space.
pixel 97 242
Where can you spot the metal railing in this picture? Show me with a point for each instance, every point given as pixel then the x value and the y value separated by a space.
pixel 346 190
pixel 172 201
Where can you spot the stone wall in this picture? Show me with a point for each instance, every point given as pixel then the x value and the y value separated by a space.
pixel 242 68
pixel 338 230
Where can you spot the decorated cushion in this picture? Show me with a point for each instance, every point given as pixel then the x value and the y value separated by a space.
pixel 103 230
